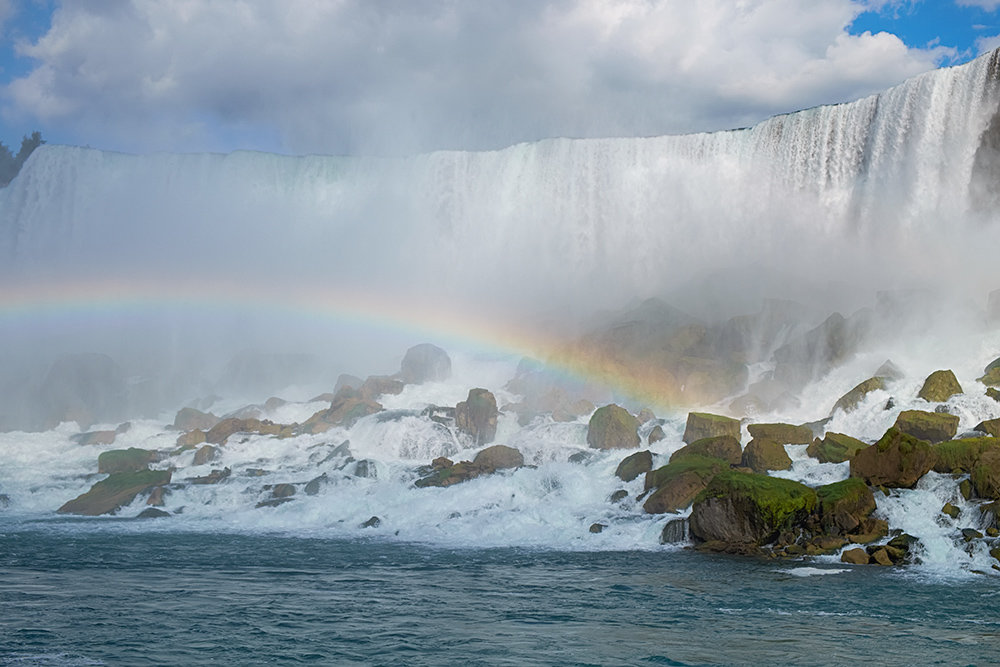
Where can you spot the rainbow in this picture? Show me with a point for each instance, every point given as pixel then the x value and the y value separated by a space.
pixel 55 302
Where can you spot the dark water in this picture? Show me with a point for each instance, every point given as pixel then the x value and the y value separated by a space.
pixel 121 598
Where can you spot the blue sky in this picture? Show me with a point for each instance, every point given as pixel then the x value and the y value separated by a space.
pixel 377 76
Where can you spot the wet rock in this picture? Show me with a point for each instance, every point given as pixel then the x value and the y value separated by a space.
pixel 273 502
pixel 254 472
pixel 214 477
pixel 189 419
pixel 613 427
pixel 851 399
pixel 962 456
pixel 763 455
pixel 117 490
pixel 315 484
pixel 100 437
pixel 782 434
pixel 425 363
pixel 645 415
pixel 950 510
pixel 896 460
pixel 156 496
pixel 930 426
pixel 597 527
pixel 835 448
pixel 283 491
pixel 378 385
pixel 190 440
pixel 679 482
pixel 969 534
pixel 498 457
pixel 125 460
pixel 856 556
pixel 205 454
pixel 634 465
pixel 844 506
pixel 477 416
pixel 373 522
pixel 655 435
pixel 220 433
pixel 880 556
pixel 487 462
pixel 724 447
pixel 991 378
pixel 618 496
pixel 939 387
pixel 985 475
pixel 990 426
pixel 366 468
pixel 347 408
pixel 994 394
pixel 152 513
pixel 674 532
pixel 705 425
pixel 580 457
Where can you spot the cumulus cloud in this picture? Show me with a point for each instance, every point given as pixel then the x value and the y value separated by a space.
pixel 397 77
pixel 988 5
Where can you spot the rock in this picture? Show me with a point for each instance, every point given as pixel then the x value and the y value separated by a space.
pixel 618 496
pixel 273 502
pixel 378 385
pixel 969 534
pixel 705 425
pixel 598 527
pixel 723 447
pixel 348 381
pixel 477 416
pixel 645 415
pixel 869 531
pixel 366 468
pixel 965 489
pixel 991 378
pixel 189 419
pixel 851 399
pixel 835 448
pixel 613 427
pixel 950 510
pixel 782 434
pixel 939 387
pixel 674 532
pixel 214 477
pixel 373 522
pixel 961 456
pixel 749 509
pixel 115 491
pixel 991 426
pixel 994 394
pixel 315 484
pixel 282 490
pixel 100 437
pixel 219 433
pixel 156 496
pixel 896 460
pixel 679 482
pixel 498 457
pixel 880 557
pixel 763 455
pixel 125 460
pixel 844 506
pixel 930 426
pixel 190 440
pixel 152 513
pixel 634 465
pixel 205 454
pixel 889 371
pixel 441 462
pixel 655 435
pixel 580 457
pixel 425 363
pixel 856 556
pixel 346 409
pixel 985 475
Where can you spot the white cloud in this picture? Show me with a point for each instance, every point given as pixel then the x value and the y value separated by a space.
pixel 349 75
pixel 987 43
pixel 988 5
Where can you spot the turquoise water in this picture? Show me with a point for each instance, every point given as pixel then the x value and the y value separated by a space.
pixel 88 594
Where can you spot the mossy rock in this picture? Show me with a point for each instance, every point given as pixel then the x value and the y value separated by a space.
pixel 477 416
pixel 190 440
pixel 844 506
pixel 992 378
pixel 750 509
pixel 897 460
pixel 993 393
pixel 455 474
pixel 613 427
pixel 679 482
pixel 851 399
pixel 835 448
pixel 939 387
pixel 634 465
pixel 985 476
pixel 723 447
pixel 702 425
pixel 763 455
pixel 656 435
pixel 125 460
pixel 950 510
pixel 115 491
pixel 959 456
pixel 783 434
pixel 991 426
pixel 929 426
pixel 855 556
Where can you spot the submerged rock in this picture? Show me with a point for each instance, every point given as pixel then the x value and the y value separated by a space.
pixel 939 387
pixel 896 460
pixel 117 490
pixel 613 427
pixel 705 425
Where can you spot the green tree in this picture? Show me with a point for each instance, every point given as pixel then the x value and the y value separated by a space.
pixel 10 164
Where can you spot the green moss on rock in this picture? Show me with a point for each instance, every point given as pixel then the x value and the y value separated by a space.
pixel 763 455
pixel 705 425
pixel 851 399
pixel 929 426
pixel 613 427
pixel 991 426
pixel 783 434
pixel 940 386
pixel 962 455
pixel 634 465
pixel 896 460
pixel 844 506
pixel 723 447
pixel 132 459
pixel 115 491
pixel 678 482
pixel 835 448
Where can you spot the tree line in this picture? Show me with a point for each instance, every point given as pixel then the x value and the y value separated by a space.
pixel 11 163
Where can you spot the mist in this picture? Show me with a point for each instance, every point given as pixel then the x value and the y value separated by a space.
pixel 173 264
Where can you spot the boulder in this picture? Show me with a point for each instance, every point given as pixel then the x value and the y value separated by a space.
pixel 597 527
pixel 347 408
pixel 282 490
pixel 425 363
pixel 723 447
pixel 188 419
pixel 373 522
pixel 156 496
pixel 705 425
pixel 993 393
pixel 961 456
pixel 950 510
pixel 498 457
pixel 763 455
pixel 656 435
pixel 679 482
pixel 100 437
pixel 366 469
pixel 851 399
pixel 991 426
pixel 213 477
pixel 613 427
pixel 939 387
pixel 896 460
pixel 783 434
pixel 315 484
pixel 985 476
pixel 747 509
pixel 348 381
pixel 929 426
pixel 190 439
pixel 634 465
pixel 378 385
pixel 674 532
pixel 205 454
pixel 844 506
pixel 991 378
pixel 152 513
pixel 115 491
pixel 125 460
pixel 477 416
pixel 855 556
pixel 219 433
pixel 835 448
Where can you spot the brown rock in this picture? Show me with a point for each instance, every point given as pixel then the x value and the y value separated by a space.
pixel 723 447
pixel 897 460
pixel 705 425
pixel 205 454
pixel 763 455
pixel 856 556
pixel 188 419
pixel 477 416
pixel 613 427
pixel 939 387
pixel 498 457
pixel 634 465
